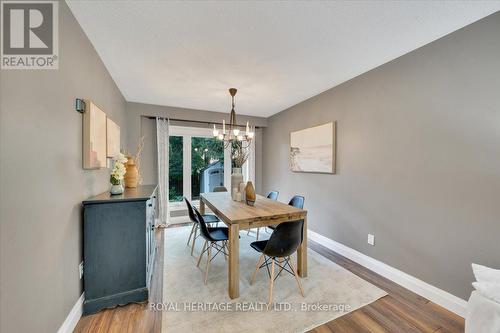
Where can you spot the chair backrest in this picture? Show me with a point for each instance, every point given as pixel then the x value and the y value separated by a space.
pixel 220 189
pixel 297 201
pixel 203 226
pixel 191 213
pixel 285 239
pixel 273 195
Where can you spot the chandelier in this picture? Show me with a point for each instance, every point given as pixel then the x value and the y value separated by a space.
pixel 233 135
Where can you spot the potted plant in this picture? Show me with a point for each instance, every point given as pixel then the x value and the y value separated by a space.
pixel 117 174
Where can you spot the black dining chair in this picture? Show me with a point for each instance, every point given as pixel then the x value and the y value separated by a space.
pixel 297 201
pixel 220 189
pixel 273 195
pixel 284 241
pixel 208 218
pixel 212 236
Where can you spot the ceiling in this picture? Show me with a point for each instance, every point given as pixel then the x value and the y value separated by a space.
pixel 187 54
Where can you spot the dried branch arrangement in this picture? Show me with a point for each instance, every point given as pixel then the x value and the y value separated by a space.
pixel 240 156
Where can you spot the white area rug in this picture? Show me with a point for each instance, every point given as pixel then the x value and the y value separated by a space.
pixel 191 306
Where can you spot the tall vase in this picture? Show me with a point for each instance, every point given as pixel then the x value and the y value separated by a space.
pixel 132 174
pixel 236 179
pixel 250 194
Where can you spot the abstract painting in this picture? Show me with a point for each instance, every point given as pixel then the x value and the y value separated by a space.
pixel 94 137
pixel 112 138
pixel 313 149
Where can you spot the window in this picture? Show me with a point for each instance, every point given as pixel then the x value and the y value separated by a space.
pixel 175 168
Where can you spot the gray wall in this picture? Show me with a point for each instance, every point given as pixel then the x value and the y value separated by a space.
pixel 140 125
pixel 418 159
pixel 43 183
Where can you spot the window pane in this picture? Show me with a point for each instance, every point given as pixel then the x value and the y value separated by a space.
pixel 207 165
pixel 175 168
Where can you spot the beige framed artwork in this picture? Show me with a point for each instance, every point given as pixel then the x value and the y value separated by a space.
pixel 112 138
pixel 314 149
pixel 94 137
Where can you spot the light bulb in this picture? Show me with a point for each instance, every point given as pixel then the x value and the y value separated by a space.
pixel 215 132
pixel 221 136
pixel 251 134
pixel 236 131
pixel 240 137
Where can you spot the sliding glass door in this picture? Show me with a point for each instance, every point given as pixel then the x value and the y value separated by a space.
pixel 175 168
pixel 196 163
pixel 207 165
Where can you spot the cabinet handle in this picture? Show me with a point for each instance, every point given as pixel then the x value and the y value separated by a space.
pixel 150 205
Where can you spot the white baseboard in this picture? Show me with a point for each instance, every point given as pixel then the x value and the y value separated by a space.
pixel 436 295
pixel 73 317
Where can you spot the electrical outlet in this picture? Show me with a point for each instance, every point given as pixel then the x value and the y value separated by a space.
pixel 80 269
pixel 371 239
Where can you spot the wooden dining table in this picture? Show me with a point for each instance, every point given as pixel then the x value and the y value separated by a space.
pixel 240 216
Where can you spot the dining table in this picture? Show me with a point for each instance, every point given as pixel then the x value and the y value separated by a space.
pixel 237 215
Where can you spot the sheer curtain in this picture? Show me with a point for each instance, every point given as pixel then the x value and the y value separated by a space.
pixel 162 139
pixel 248 169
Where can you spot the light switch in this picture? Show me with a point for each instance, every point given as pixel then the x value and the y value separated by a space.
pixel 371 239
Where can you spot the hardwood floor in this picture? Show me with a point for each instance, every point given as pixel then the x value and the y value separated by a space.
pixel 400 311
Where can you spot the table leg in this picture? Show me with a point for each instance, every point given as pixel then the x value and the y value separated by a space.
pixel 202 207
pixel 234 261
pixel 302 253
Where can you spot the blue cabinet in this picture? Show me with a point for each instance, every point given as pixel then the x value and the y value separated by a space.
pixel 118 247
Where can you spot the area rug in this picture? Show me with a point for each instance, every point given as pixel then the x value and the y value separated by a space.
pixel 191 306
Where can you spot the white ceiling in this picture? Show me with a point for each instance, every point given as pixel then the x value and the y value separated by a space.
pixel 276 53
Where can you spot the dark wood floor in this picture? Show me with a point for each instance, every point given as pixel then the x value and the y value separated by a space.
pixel 400 311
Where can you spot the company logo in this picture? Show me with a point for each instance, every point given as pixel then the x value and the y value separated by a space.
pixel 29 35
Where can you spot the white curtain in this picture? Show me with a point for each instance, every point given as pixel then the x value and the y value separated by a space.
pixel 249 166
pixel 162 138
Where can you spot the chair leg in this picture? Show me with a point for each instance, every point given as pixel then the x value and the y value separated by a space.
pixel 257 268
pixel 208 261
pixel 271 282
pixel 296 276
pixel 201 254
pixel 194 239
pixel 190 234
pixel 258 233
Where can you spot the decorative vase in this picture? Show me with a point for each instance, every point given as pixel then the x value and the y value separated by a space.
pixel 132 174
pixel 116 189
pixel 236 179
pixel 250 194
